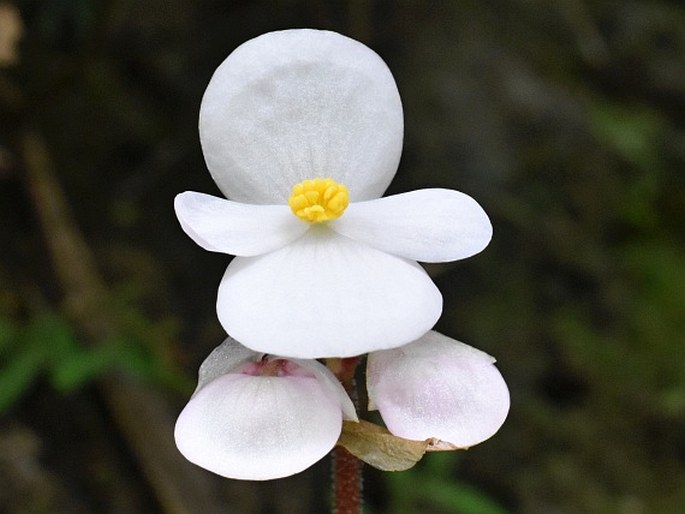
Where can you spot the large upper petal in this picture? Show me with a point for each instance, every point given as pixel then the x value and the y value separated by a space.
pixel 220 225
pixel 257 427
pixel 438 387
pixel 300 104
pixel 428 225
pixel 326 295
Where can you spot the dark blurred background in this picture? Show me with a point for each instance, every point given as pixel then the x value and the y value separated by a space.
pixel 565 120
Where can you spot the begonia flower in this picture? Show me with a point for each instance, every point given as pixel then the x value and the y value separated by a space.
pixel 258 417
pixel 439 388
pixel 302 132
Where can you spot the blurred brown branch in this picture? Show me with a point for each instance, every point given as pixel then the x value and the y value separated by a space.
pixel 141 412
pixel 11 31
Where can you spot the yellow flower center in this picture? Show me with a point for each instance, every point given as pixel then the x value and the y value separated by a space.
pixel 317 200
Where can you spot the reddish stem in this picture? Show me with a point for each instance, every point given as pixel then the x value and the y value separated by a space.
pixel 347 482
pixel 347 469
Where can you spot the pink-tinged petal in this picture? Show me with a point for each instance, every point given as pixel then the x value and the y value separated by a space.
pixel 301 104
pixel 326 295
pixel 232 357
pixel 428 225
pixel 220 225
pixel 437 387
pixel 258 427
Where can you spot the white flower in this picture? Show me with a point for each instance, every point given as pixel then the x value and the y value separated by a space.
pixel 255 417
pixel 295 124
pixel 437 387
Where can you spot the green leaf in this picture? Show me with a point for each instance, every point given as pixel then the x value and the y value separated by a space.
pixel 8 337
pixel 456 497
pixel 18 375
pixel 79 368
pixel 630 130
pixel 52 333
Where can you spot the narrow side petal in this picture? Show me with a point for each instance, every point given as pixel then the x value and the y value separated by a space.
pixel 331 386
pixel 326 296
pixel 428 225
pixel 438 387
pixel 225 358
pixel 220 225
pixel 300 104
pixel 258 428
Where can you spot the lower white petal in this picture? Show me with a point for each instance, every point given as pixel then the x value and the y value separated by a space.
pixel 326 295
pixel 428 225
pixel 438 387
pixel 220 225
pixel 258 428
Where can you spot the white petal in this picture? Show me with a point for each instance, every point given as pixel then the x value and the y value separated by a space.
pixel 258 428
pixel 438 387
pixel 326 296
pixel 219 225
pixel 300 104
pixel 428 225
pixel 230 355
pixel 226 357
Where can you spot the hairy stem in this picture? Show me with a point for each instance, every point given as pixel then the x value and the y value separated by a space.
pixel 347 469
pixel 347 482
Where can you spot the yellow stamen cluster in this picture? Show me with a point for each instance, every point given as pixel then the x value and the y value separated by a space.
pixel 320 199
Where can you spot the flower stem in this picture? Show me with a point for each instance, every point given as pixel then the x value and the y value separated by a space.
pixel 347 469
pixel 347 482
